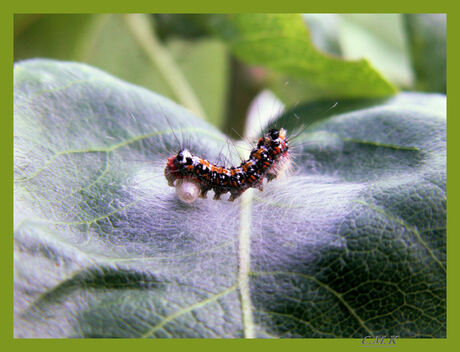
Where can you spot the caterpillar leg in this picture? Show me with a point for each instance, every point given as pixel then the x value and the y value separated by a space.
pixel 234 195
pixel 170 178
pixel 204 191
pixel 270 177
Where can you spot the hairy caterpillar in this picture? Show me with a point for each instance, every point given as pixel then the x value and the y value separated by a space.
pixel 193 176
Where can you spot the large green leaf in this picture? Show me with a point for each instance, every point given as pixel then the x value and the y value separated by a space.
pixel 379 38
pixel 282 43
pixel 351 244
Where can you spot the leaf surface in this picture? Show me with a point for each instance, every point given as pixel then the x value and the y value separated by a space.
pixel 351 244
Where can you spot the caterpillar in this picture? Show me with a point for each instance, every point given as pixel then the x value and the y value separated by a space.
pixel 194 176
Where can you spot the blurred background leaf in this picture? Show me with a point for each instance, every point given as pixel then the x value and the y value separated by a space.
pixel 427 37
pixel 281 42
pixel 408 49
pixel 379 38
pixel 215 65
pixel 324 29
pixel 106 41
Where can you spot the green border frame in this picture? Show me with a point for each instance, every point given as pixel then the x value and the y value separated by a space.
pixel 197 6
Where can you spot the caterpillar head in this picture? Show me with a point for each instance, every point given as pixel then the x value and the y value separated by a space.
pixel 274 138
pixel 275 134
pixel 184 157
pixel 177 164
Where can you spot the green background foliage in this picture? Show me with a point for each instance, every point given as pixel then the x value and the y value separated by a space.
pixel 189 58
